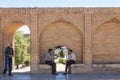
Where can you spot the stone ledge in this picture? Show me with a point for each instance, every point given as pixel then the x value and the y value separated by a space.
pixel 79 68
pixel 77 65
pixel 106 67
pixel 44 68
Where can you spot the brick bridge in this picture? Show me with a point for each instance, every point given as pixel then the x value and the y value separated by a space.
pixel 92 33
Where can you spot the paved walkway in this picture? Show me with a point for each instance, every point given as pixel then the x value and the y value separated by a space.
pixel 23 74
pixel 82 76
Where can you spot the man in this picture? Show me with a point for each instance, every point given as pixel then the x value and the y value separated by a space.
pixel 71 59
pixel 9 53
pixel 50 60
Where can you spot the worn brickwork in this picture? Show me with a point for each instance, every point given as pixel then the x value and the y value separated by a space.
pixel 92 33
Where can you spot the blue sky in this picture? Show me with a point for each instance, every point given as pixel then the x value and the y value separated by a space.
pixel 59 3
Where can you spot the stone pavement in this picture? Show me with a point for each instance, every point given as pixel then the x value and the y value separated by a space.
pixel 81 76
pixel 24 74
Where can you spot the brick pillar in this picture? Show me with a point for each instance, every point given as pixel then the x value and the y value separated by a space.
pixel 34 44
pixel 87 57
pixel 1 53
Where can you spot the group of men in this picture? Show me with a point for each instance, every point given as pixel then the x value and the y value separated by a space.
pixel 49 59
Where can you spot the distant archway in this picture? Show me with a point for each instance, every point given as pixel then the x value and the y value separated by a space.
pixel 61 33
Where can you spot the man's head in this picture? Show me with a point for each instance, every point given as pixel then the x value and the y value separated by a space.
pixel 10 45
pixel 70 51
pixel 51 51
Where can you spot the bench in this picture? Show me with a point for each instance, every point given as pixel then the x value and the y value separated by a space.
pixel 106 67
pixel 44 68
pixel 76 68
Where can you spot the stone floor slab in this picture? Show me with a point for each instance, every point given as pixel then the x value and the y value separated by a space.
pixel 82 76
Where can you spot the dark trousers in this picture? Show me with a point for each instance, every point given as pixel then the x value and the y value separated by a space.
pixel 53 64
pixel 8 66
pixel 68 63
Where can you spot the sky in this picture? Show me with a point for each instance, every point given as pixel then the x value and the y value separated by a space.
pixel 25 29
pixel 59 3
pixel 56 3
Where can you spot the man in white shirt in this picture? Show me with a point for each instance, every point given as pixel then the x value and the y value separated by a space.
pixel 71 59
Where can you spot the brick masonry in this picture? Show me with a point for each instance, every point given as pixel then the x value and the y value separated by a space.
pixel 92 33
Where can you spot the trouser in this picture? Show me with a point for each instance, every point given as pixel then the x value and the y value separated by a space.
pixel 53 64
pixel 68 63
pixel 8 66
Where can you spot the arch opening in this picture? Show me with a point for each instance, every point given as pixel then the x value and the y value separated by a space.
pixel 18 33
pixel 60 56
pixel 61 33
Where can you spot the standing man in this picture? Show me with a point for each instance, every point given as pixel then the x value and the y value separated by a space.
pixel 71 59
pixel 9 53
pixel 49 59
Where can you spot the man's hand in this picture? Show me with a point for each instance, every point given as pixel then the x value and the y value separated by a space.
pixel 10 55
pixel 67 61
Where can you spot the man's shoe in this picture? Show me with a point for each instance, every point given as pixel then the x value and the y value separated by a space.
pixel 64 73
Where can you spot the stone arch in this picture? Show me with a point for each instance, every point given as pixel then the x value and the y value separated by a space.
pixel 106 42
pixel 10 29
pixel 61 33
pixel 8 33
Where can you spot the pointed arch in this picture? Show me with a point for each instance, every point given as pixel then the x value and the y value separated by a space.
pixel 9 31
pixel 61 33
pixel 113 20
pixel 106 42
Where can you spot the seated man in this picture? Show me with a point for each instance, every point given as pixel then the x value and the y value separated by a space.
pixel 71 59
pixel 50 60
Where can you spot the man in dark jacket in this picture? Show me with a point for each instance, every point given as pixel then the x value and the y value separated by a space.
pixel 9 53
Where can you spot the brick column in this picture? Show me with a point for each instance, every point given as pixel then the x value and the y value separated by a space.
pixel 1 54
pixel 34 44
pixel 87 47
